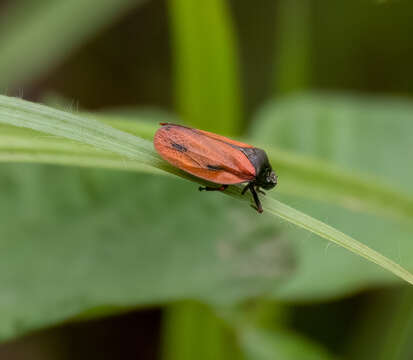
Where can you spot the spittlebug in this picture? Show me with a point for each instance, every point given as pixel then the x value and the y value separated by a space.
pixel 216 158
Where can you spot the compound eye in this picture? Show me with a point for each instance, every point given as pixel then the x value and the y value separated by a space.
pixel 272 178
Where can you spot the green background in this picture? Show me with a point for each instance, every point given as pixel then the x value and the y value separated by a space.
pixel 114 264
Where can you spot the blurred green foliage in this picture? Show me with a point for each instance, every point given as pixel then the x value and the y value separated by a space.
pixel 38 34
pixel 206 65
pixel 84 243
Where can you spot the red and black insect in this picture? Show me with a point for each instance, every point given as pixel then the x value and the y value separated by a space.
pixel 216 158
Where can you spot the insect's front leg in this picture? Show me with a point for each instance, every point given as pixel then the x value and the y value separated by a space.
pixel 257 201
pixel 208 188
pixel 260 191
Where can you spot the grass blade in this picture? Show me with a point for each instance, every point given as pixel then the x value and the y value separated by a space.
pixel 41 118
pixel 301 176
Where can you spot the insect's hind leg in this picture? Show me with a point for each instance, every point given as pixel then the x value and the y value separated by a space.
pixel 208 188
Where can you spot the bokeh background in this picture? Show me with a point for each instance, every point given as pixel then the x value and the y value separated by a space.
pixel 122 265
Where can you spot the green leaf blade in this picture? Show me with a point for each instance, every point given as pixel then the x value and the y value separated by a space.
pixel 41 118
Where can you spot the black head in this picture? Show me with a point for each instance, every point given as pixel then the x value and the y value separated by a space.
pixel 266 178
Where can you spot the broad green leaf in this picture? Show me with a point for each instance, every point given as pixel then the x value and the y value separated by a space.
pixel 37 35
pixel 360 135
pixel 76 240
pixel 206 65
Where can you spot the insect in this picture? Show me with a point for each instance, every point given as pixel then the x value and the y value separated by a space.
pixel 216 158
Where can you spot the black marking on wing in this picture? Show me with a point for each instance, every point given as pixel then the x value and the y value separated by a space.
pixel 179 147
pixel 215 167
pixel 183 149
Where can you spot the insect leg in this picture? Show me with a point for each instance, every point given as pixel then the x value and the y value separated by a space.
pixel 260 191
pixel 257 201
pixel 208 188
pixel 244 190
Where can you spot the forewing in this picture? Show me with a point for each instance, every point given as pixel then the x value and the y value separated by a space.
pixel 224 139
pixel 204 156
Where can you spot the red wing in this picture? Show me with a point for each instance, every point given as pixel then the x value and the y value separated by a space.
pixel 208 157
pixel 224 139
pixel 212 135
